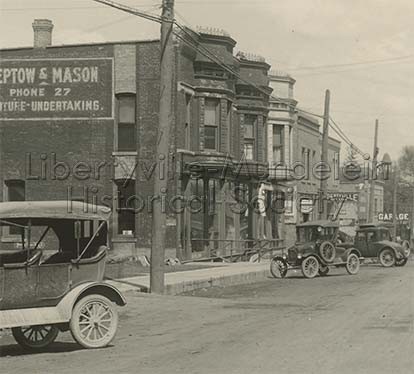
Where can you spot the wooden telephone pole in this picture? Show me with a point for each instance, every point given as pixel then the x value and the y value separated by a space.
pixel 394 203
pixel 164 128
pixel 373 176
pixel 323 203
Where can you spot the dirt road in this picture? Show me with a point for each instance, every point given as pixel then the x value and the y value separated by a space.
pixel 337 324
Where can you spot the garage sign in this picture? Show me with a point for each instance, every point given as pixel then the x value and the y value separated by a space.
pixel 66 88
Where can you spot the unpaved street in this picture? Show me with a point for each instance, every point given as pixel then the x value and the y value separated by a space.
pixel 337 324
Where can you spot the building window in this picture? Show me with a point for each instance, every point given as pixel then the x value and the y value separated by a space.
pixel 211 124
pixel 126 123
pixel 15 191
pixel 126 206
pixel 250 127
pixel 230 138
pixel 187 126
pixel 278 144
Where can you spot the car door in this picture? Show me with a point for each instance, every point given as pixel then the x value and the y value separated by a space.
pixel 53 283
pixel 372 239
pixel 361 243
pixel 19 286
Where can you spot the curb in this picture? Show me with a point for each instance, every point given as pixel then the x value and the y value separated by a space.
pixel 176 287
pixel 223 281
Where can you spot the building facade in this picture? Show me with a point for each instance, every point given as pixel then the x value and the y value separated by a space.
pixel 294 151
pixel 79 122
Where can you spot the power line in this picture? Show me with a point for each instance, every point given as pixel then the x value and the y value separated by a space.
pixel 214 58
pixel 345 138
pixel 130 10
pixel 359 63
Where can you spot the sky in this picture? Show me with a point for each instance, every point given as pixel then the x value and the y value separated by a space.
pixel 361 50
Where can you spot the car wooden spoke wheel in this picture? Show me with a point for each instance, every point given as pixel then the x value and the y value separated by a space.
pixel 387 257
pixel 94 321
pixel 352 264
pixel 327 251
pixel 278 267
pixel 323 271
pixel 310 267
pixel 35 337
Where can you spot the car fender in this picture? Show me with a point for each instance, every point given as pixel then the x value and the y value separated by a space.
pixel 321 261
pixel 348 251
pixel 397 254
pixel 66 305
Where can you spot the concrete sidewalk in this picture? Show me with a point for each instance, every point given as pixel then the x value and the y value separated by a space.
pixel 184 281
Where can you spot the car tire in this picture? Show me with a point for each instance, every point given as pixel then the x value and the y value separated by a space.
pixel 352 264
pixel 406 247
pixel 402 262
pixel 310 267
pixel 278 267
pixel 35 337
pixel 323 271
pixel 327 251
pixel 387 257
pixel 94 321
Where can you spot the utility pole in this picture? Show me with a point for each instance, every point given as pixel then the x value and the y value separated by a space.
pixel 394 203
pixel 163 137
pixel 323 203
pixel 373 175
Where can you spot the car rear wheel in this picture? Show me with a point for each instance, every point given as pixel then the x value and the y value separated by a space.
pixel 387 257
pixel 323 271
pixel 327 251
pixel 352 264
pixel 401 262
pixel 310 267
pixel 35 337
pixel 94 321
pixel 278 267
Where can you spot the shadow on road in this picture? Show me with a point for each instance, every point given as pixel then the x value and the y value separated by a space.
pixel 299 276
pixel 13 350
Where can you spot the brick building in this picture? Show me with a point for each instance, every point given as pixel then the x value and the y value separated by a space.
pixel 79 122
pixel 294 148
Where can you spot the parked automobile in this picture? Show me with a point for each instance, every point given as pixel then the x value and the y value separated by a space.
pixel 60 287
pixel 315 251
pixel 374 241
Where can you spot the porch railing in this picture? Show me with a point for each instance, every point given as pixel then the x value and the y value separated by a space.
pixel 235 250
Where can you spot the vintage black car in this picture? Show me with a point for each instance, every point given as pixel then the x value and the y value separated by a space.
pixel 375 241
pixel 317 248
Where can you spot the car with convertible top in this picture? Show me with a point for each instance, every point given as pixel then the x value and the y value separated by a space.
pixel 318 247
pixel 54 282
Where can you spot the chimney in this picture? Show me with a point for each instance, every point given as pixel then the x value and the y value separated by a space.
pixel 42 29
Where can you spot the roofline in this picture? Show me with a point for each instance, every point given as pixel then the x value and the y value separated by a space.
pixel 83 44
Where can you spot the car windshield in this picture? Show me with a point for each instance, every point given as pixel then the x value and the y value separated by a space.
pixel 311 234
pixel 384 235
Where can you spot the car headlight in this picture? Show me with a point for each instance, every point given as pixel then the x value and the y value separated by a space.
pixel 299 256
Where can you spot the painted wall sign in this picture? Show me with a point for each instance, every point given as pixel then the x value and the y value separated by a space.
pixel 66 88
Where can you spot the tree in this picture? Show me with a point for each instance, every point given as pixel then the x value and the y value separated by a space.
pixel 406 163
